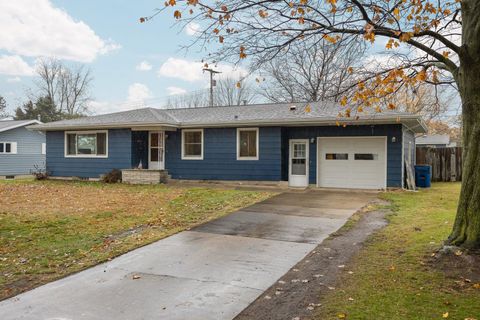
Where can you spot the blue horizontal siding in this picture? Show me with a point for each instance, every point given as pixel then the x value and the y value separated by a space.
pixel 220 157
pixel 220 162
pixel 140 149
pixel 394 149
pixel 119 156
pixel 29 152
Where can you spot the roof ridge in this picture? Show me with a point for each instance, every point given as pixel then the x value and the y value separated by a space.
pixel 243 105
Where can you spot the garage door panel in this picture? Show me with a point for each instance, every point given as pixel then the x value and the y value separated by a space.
pixel 368 171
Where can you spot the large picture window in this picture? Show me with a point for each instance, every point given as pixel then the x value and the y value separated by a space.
pixel 247 144
pixel 192 144
pixel 88 144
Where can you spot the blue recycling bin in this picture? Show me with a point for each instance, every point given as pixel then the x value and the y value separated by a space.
pixel 423 176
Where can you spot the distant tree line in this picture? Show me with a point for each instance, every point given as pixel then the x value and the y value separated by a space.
pixel 60 93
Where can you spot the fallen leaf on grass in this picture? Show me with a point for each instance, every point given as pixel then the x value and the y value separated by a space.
pixel 458 253
pixel 476 285
pixel 342 316
pixel 392 268
pixel 445 315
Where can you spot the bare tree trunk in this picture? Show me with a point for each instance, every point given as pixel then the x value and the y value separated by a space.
pixel 466 230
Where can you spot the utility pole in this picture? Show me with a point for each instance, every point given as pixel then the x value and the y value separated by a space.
pixel 213 83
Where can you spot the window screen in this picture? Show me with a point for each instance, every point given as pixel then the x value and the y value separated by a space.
pixel 192 144
pixel 248 143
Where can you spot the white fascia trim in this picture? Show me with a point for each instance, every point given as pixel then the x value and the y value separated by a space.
pixel 257 143
pixel 21 125
pixel 85 155
pixel 183 145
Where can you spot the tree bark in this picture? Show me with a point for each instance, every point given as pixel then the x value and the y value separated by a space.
pixel 466 229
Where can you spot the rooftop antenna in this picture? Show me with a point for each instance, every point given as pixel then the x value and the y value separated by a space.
pixel 213 82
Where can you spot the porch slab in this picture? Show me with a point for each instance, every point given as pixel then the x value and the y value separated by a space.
pixel 144 176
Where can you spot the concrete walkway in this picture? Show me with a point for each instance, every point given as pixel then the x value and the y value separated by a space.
pixel 211 272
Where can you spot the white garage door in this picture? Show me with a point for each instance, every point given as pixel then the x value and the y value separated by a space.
pixel 352 162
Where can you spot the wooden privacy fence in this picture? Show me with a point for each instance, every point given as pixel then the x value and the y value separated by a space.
pixel 446 162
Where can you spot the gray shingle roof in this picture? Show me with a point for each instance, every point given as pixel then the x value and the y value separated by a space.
pixel 278 113
pixel 6 125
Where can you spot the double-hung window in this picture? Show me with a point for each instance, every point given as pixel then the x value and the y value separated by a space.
pixel 247 144
pixel 86 144
pixel 8 147
pixel 192 144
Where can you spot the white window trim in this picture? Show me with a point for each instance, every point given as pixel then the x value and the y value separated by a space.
pixel 85 155
pixel 44 148
pixel 238 143
pixel 13 147
pixel 184 157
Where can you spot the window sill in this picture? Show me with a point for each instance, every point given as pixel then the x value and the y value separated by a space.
pixel 192 158
pixel 87 156
pixel 247 158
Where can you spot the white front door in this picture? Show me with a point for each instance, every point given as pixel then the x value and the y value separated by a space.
pixel 352 162
pixel 156 150
pixel 298 163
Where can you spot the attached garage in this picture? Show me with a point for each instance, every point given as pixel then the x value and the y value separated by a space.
pixel 352 162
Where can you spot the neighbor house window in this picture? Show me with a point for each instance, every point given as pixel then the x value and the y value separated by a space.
pixel 192 144
pixel 86 144
pixel 8 147
pixel 247 144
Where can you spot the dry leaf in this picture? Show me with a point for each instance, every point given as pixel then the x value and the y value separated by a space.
pixel 445 315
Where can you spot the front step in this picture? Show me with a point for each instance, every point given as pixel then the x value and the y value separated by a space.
pixel 144 176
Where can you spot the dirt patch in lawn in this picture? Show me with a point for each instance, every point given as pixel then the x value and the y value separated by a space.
pixel 299 292
pixel 461 266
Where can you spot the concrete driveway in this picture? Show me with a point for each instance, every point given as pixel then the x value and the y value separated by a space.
pixel 211 272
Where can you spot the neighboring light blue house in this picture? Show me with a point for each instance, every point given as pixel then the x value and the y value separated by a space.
pixel 21 149
pixel 301 144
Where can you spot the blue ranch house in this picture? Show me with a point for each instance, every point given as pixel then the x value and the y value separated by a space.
pixel 302 144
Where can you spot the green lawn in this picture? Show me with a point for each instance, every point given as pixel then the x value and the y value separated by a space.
pixel 393 277
pixel 53 228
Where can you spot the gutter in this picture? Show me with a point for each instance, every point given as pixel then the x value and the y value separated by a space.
pixel 246 123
